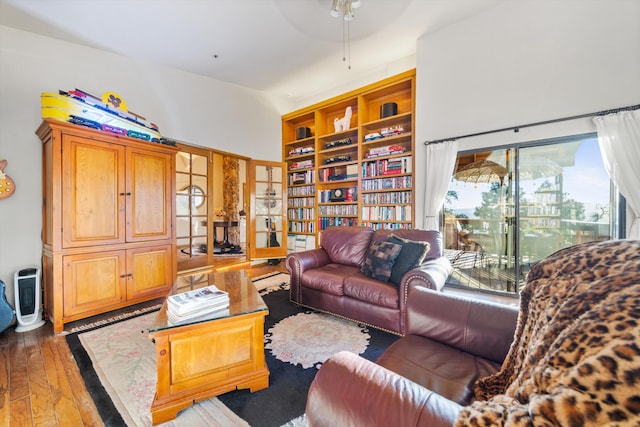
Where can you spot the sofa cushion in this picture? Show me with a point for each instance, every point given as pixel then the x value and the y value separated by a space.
pixel 411 256
pixel 380 259
pixel 346 245
pixel 445 370
pixel 432 236
pixel 364 288
pixel 328 278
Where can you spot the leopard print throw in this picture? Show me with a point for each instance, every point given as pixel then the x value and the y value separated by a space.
pixel 575 359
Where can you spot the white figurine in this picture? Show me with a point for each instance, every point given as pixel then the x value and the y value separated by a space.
pixel 343 123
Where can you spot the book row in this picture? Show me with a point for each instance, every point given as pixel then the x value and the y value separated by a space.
pixel 302 227
pixel 306 177
pixel 394 197
pixel 305 190
pixel 302 164
pixel 386 225
pixel 301 213
pixel 325 222
pixel 387 183
pixel 301 202
pixel 386 213
pixel 383 167
pixel 338 210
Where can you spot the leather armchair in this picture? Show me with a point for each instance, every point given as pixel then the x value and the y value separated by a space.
pixel 424 378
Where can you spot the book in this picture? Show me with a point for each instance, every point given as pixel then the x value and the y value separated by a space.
pixel 215 305
pixel 202 314
pixel 191 301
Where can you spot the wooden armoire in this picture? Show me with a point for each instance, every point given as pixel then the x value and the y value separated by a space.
pixel 108 211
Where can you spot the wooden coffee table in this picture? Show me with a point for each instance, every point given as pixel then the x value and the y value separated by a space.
pixel 202 359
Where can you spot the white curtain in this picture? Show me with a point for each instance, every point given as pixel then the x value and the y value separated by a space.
pixel 441 160
pixel 619 140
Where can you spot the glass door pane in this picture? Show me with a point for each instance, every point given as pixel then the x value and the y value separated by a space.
pixel 191 205
pixel 565 198
pixel 268 222
pixel 479 221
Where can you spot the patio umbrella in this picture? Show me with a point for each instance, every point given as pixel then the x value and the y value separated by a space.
pixel 485 171
pixel 481 171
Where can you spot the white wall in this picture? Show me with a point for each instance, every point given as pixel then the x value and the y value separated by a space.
pixel 185 106
pixel 522 62
pixel 363 79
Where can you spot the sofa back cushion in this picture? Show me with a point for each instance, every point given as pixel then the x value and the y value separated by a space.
pixel 411 256
pixel 346 245
pixel 474 326
pixel 432 236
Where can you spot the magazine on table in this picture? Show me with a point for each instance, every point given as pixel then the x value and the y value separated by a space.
pixel 192 301
pixel 211 306
pixel 202 314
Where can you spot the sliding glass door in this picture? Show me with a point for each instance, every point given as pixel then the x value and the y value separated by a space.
pixel 508 208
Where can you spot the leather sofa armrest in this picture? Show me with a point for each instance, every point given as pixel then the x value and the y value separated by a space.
pixel 349 390
pixel 432 274
pixel 299 262
pixel 482 328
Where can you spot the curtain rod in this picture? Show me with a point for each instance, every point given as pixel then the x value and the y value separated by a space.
pixel 546 122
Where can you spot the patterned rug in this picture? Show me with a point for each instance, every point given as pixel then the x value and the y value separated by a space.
pixel 122 360
pixel 308 339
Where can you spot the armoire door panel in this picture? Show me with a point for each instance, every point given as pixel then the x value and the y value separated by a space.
pixel 149 272
pixel 93 281
pixel 93 192
pixel 149 203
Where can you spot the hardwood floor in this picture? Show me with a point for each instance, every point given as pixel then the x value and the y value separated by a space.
pixel 40 383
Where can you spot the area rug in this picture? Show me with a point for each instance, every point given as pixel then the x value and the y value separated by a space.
pixel 121 359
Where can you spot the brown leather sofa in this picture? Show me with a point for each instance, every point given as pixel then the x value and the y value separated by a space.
pixel 424 378
pixel 329 278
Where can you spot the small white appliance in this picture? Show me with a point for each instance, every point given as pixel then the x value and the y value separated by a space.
pixel 28 299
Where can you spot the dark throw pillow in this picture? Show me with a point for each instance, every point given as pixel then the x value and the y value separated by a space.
pixel 411 256
pixel 380 259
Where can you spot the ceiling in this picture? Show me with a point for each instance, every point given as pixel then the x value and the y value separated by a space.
pixel 285 48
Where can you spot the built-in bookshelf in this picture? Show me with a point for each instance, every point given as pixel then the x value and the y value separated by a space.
pixel 350 159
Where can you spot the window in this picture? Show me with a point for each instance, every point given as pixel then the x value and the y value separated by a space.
pixel 508 208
